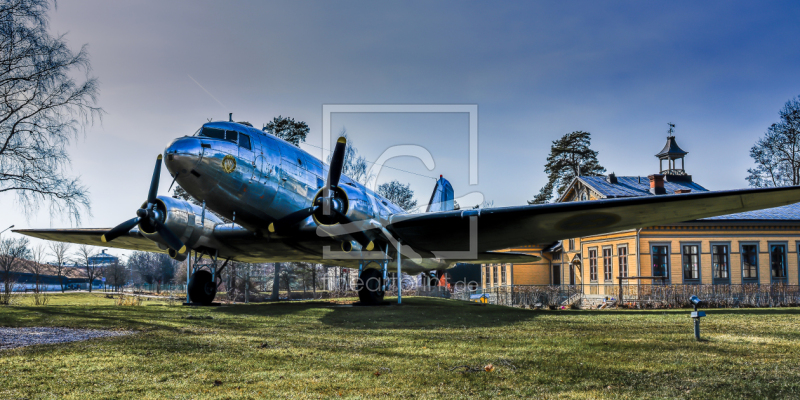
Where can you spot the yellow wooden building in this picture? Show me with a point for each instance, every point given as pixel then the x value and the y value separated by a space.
pixel 759 247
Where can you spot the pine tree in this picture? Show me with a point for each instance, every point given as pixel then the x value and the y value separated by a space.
pixel 570 156
pixel 288 129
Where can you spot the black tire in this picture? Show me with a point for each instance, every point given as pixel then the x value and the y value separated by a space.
pixel 370 287
pixel 202 288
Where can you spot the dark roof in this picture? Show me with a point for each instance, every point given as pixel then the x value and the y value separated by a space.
pixel 783 213
pixel 634 186
pixel 671 149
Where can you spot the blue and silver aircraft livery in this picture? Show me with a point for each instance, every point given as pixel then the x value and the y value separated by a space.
pixel 286 205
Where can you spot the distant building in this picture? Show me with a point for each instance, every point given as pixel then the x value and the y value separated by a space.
pixel 103 259
pixel 74 278
pixel 758 247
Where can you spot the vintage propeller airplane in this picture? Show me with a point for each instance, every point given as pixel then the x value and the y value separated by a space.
pixel 288 206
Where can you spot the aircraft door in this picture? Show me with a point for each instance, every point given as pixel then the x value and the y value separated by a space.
pixel 268 175
pixel 247 152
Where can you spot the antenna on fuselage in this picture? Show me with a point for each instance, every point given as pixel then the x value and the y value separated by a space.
pixel 230 117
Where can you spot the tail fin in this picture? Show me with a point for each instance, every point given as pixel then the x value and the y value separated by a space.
pixel 442 197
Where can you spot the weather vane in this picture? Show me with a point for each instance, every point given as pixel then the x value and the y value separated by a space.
pixel 671 130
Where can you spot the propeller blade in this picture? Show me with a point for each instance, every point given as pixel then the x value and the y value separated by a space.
pixel 151 196
pixel 358 236
pixel 337 162
pixel 120 230
pixel 172 241
pixel 291 219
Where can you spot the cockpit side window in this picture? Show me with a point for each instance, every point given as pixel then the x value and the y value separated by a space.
pixel 232 136
pixel 213 133
pixel 244 141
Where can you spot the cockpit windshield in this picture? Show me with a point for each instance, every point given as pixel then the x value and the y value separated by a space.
pixel 213 133
pixel 229 135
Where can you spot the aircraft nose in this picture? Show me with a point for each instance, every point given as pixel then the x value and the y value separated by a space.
pixel 182 154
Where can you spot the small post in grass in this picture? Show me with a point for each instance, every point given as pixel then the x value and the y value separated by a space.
pixel 696 315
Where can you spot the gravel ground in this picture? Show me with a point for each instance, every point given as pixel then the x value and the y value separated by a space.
pixel 18 337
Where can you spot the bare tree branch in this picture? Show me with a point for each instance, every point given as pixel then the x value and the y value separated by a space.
pixel 42 109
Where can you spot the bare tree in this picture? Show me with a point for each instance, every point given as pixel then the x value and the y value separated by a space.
pixel 152 268
pixel 36 265
pixel 276 282
pixel 11 252
pixel 84 255
pixel 59 251
pixel 116 275
pixel 42 109
pixel 287 277
pixel 777 154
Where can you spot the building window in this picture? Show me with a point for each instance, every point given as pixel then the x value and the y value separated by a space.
pixel 623 261
pixel 571 245
pixel 691 263
pixel 719 263
pixel 607 265
pixel 593 265
pixel 777 262
pixel 503 274
pixel 494 275
pixel 660 260
pixel 749 262
pixel 487 275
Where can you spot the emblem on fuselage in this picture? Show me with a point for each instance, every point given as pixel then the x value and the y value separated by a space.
pixel 228 163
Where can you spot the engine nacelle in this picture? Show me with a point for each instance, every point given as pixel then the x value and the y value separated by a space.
pixel 345 199
pixel 185 220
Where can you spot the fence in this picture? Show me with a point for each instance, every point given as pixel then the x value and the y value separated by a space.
pixel 552 296
pixel 745 295
pixel 640 295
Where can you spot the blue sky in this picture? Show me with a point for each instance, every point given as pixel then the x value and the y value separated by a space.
pixel 536 70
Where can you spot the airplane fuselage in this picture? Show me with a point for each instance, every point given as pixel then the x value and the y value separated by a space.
pixel 255 179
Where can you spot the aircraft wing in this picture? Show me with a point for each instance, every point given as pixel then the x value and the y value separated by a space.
pixel 508 227
pixel 91 236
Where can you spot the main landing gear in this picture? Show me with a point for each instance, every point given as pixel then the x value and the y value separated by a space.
pixel 372 283
pixel 202 288
pixel 203 283
pixel 371 287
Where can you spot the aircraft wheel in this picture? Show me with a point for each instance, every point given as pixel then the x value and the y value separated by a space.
pixel 370 286
pixel 202 287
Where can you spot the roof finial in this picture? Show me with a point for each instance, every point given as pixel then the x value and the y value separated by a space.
pixel 671 131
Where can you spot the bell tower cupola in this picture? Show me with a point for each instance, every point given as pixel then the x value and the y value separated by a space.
pixel 671 153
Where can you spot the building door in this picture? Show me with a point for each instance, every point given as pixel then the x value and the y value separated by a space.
pixel 572 274
pixel 556 274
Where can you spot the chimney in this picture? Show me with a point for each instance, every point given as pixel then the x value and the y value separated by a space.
pixel 612 178
pixel 657 184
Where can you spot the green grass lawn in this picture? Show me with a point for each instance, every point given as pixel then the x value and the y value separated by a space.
pixel 321 350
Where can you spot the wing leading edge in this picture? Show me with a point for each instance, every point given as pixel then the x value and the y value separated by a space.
pixel 91 236
pixel 509 227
